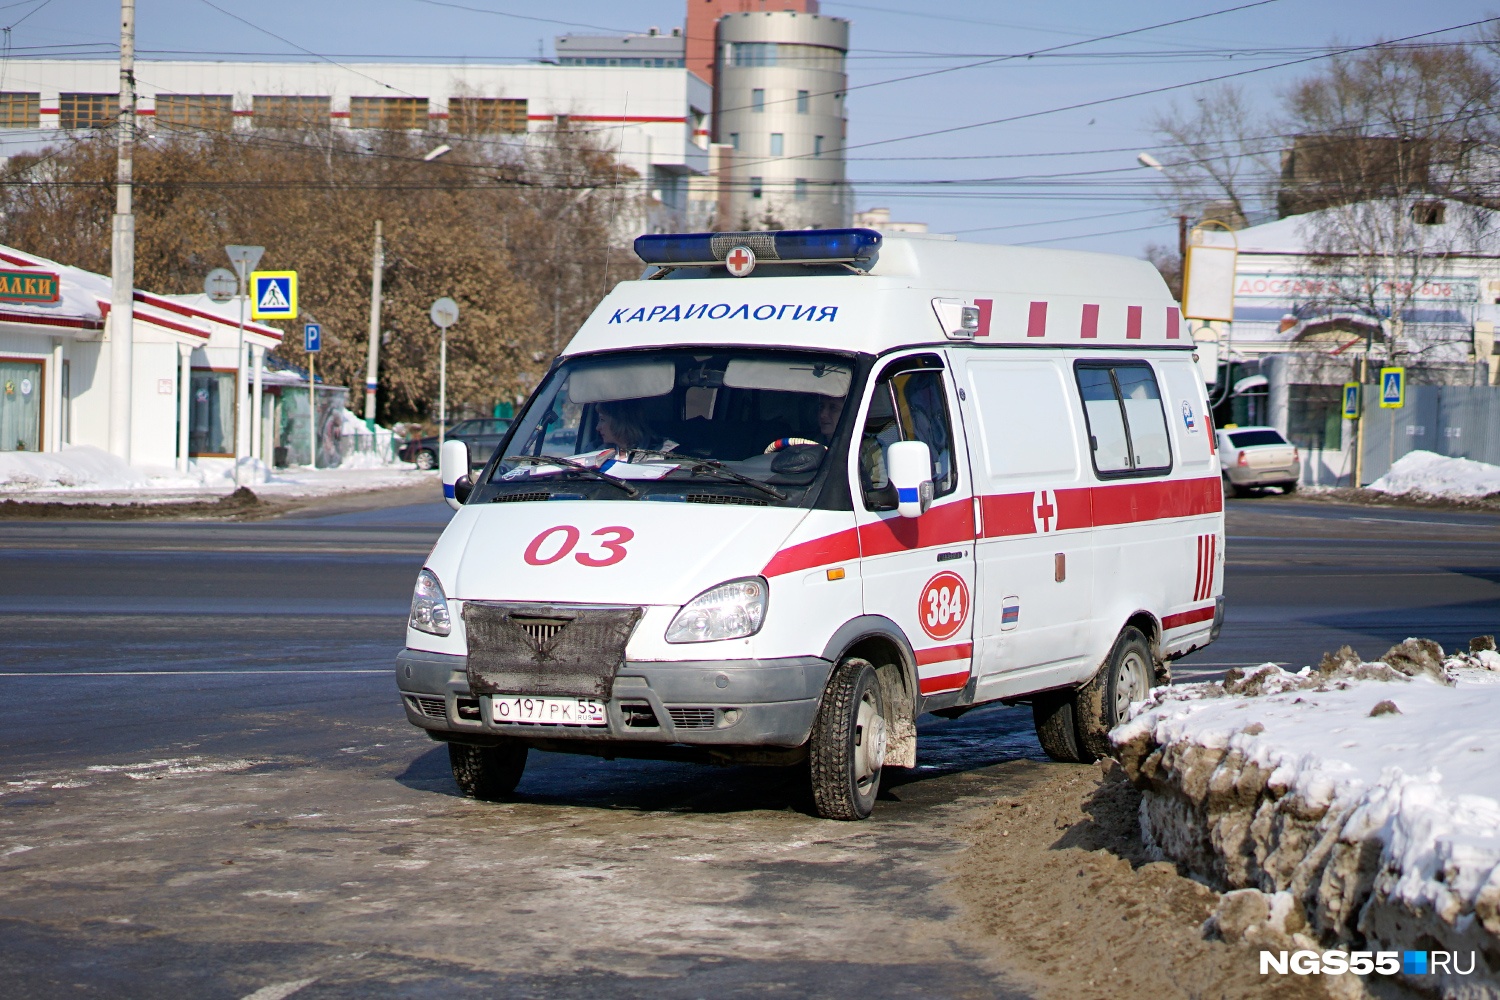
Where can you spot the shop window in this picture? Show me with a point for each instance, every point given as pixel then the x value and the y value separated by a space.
pixel 1314 417
pixel 87 110
pixel 290 111
pixel 486 115
pixel 1127 425
pixel 20 110
pixel 20 405
pixel 392 113
pixel 211 414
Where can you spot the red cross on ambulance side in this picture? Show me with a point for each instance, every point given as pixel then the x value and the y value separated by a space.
pixel 1044 511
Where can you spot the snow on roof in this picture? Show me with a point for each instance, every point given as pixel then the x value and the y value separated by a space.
pixel 200 306
pixel 1465 229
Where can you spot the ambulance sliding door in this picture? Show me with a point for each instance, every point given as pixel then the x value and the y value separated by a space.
pixel 918 572
pixel 1034 554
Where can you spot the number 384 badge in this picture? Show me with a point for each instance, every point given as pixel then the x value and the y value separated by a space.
pixel 944 605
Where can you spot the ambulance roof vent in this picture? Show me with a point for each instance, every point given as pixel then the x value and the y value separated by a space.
pixel 789 246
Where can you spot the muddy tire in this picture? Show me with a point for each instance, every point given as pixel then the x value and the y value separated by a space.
pixel 487 773
pixel 1056 730
pixel 425 460
pixel 1128 673
pixel 847 746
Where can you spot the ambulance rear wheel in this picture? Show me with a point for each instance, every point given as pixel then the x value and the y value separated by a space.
pixel 847 746
pixel 1104 702
pixel 487 773
pixel 1053 714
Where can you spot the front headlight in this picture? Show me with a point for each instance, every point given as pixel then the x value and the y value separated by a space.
pixel 731 610
pixel 429 606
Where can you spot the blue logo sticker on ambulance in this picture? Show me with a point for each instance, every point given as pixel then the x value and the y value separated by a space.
pixel 1010 613
pixel 1187 417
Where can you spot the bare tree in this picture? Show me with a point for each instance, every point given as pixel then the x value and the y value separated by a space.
pixel 1387 167
pixel 1223 155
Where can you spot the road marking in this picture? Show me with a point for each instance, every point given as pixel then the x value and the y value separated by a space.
pixel 1408 520
pixel 172 673
pixel 280 991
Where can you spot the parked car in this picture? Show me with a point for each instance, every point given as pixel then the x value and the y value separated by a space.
pixel 1257 456
pixel 482 437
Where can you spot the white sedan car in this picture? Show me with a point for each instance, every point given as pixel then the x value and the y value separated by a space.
pixel 1257 456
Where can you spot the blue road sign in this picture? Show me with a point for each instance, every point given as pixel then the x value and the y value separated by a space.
pixel 312 338
pixel 273 295
pixel 1392 388
pixel 1351 400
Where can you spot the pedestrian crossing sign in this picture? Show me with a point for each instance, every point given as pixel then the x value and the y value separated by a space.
pixel 1392 388
pixel 1351 400
pixel 273 295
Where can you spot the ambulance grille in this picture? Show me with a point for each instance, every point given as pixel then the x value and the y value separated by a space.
pixel 721 498
pixel 433 708
pixel 540 629
pixel 520 497
pixel 692 718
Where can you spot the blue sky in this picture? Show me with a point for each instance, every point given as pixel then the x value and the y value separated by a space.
pixel 1109 207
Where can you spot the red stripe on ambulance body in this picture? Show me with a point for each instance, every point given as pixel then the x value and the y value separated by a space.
pixel 942 654
pixel 1132 322
pixel 1036 320
pixel 1089 328
pixel 1174 324
pixel 1193 617
pixel 841 546
pixel 985 307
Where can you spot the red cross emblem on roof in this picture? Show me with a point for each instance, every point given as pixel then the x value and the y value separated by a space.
pixel 740 261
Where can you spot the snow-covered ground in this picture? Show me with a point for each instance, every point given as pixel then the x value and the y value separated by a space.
pixel 90 475
pixel 1438 475
pixel 1355 801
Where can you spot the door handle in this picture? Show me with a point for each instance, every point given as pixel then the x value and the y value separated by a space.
pixel 949 556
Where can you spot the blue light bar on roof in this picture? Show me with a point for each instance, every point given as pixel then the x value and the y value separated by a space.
pixel 789 245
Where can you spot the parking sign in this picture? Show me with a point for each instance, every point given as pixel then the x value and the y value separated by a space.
pixel 312 338
pixel 1392 388
pixel 1351 400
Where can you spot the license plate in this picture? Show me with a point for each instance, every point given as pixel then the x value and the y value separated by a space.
pixel 547 711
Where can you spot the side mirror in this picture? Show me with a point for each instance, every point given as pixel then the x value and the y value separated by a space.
pixel 454 467
pixel 908 464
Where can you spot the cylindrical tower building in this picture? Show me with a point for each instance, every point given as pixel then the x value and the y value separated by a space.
pixel 779 102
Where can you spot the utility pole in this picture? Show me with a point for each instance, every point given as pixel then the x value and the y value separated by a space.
pixel 372 367
pixel 122 250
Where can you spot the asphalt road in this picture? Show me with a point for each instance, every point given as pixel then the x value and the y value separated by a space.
pixel 207 787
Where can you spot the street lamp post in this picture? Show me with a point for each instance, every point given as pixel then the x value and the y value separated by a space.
pixel 444 313
pixel 244 259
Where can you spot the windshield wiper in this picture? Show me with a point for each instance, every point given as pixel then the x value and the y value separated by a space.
pixel 719 469
pixel 568 463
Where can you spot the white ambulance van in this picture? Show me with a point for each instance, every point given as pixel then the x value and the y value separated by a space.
pixel 789 491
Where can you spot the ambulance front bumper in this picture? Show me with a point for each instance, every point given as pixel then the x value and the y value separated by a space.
pixel 697 702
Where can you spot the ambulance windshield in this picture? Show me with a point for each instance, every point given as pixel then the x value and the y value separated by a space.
pixel 716 425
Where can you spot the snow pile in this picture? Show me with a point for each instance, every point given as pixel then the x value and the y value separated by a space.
pixel 366 449
pixel 78 467
pixel 1438 475
pixel 1355 802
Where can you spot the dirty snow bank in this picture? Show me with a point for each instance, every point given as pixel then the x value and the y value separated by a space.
pixel 80 467
pixel 1355 803
pixel 1438 475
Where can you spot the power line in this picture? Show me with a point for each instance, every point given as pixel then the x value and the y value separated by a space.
pixel 1141 93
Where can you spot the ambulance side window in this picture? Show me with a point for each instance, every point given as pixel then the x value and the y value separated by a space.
pixel 910 405
pixel 1127 426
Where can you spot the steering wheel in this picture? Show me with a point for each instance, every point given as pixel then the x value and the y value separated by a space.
pixel 782 443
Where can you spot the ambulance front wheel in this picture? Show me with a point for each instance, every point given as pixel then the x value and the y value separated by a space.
pixel 1103 703
pixel 847 746
pixel 487 773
